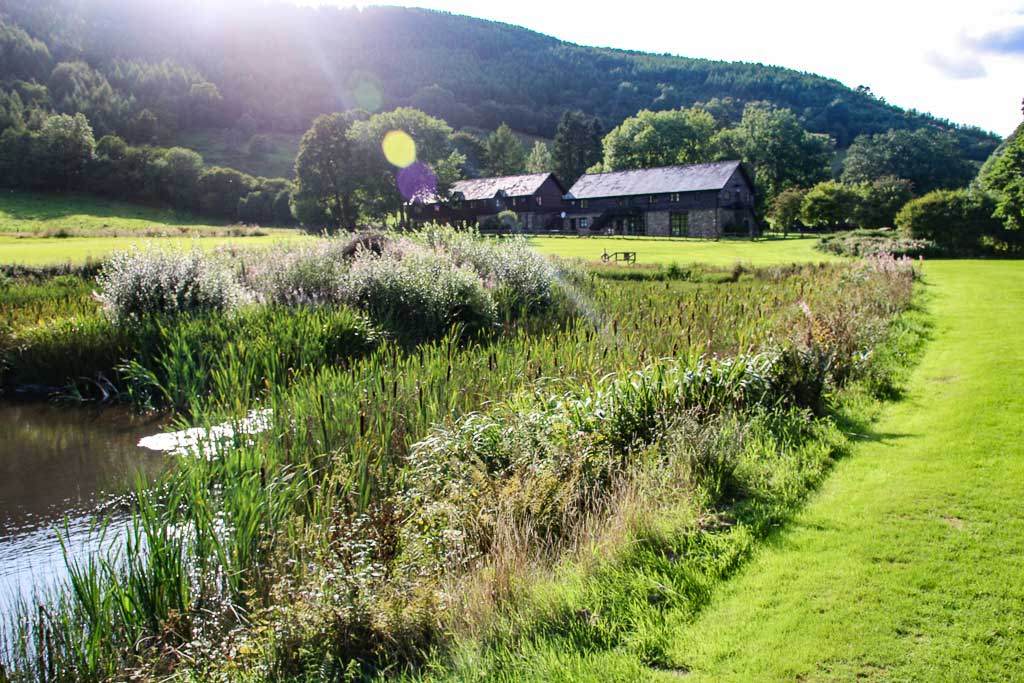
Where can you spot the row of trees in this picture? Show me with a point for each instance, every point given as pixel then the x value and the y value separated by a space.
pixel 769 140
pixel 832 205
pixel 63 154
pixel 984 216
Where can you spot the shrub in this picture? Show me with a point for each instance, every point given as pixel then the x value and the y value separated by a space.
pixel 861 243
pixel 506 220
pixel 956 220
pixel 828 205
pixel 370 241
pixel 519 277
pixel 138 283
pixel 299 275
pixel 418 297
pixel 784 212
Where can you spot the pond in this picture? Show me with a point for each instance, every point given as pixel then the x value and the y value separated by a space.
pixel 61 469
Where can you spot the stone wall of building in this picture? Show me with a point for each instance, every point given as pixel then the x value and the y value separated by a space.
pixel 591 217
pixel 657 223
pixel 704 224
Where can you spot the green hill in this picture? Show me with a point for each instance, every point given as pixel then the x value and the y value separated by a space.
pixel 254 67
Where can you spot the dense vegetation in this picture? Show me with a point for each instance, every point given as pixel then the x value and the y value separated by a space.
pixel 408 465
pixel 466 71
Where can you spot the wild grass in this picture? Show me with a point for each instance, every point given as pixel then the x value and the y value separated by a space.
pixel 344 541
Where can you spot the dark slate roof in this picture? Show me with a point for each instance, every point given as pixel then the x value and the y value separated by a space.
pixel 692 178
pixel 488 188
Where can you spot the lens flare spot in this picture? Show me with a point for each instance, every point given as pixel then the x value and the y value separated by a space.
pixel 418 183
pixel 399 148
pixel 368 96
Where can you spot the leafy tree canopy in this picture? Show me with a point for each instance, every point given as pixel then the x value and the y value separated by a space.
pixel 662 138
pixel 776 147
pixel 929 159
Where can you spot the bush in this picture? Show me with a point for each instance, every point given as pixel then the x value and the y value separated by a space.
pixel 369 241
pixel 506 220
pixel 519 278
pixel 828 205
pixel 784 212
pixel 956 220
pixel 419 296
pixel 138 283
pixel 861 243
pixel 299 275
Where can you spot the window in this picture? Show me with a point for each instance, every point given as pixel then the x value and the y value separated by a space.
pixel 584 223
pixel 674 197
pixel 678 224
pixel 540 201
pixel 651 199
pixel 726 196
pixel 583 203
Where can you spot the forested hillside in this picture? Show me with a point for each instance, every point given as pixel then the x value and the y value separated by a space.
pixel 147 69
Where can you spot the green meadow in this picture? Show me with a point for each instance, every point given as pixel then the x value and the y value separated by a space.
pixel 664 251
pixel 27 213
pixel 42 251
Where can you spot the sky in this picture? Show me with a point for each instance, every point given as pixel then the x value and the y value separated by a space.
pixel 958 60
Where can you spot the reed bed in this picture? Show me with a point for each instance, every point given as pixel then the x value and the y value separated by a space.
pixel 395 468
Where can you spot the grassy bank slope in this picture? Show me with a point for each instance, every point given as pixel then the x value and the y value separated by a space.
pixel 682 251
pixel 907 565
pixel 28 213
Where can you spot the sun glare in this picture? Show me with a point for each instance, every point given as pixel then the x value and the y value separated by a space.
pixel 399 148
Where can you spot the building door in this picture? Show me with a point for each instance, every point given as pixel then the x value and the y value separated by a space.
pixel 679 224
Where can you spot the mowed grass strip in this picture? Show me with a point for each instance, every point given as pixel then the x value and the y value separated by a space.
pixel 39 251
pixel 908 565
pixel 663 251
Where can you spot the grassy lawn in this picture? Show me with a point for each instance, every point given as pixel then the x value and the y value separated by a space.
pixel 36 251
pixel 45 214
pixel 907 565
pixel 682 250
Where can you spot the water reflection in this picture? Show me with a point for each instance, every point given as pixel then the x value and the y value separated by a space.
pixel 60 463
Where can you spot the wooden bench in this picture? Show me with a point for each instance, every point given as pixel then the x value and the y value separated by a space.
pixel 627 256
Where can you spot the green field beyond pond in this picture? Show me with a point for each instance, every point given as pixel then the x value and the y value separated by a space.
pixel 25 213
pixel 46 229
pixel 41 251
pixel 663 251
pixel 650 252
